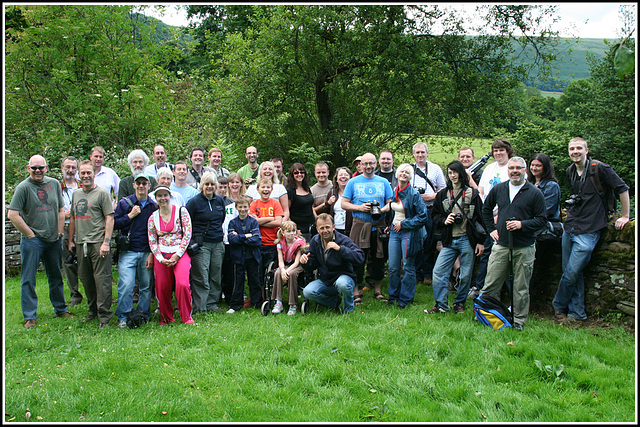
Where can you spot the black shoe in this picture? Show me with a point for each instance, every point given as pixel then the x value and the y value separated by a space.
pixel 401 306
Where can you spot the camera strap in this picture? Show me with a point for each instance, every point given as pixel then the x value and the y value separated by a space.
pixel 454 201
pixel 422 175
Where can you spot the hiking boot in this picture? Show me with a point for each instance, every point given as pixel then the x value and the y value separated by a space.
pixel 122 324
pixel 30 324
pixel 458 308
pixel 560 316
pixel 435 309
pixel 517 327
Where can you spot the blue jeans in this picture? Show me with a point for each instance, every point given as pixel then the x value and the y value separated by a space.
pixel 442 271
pixel 130 265
pixel 31 252
pixel 576 253
pixel 401 289
pixel 329 294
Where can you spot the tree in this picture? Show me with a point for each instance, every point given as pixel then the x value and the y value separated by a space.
pixel 79 76
pixel 335 81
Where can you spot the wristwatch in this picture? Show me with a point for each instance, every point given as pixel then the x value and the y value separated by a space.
pixel 60 235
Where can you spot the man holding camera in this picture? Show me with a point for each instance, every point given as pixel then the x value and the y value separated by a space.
pixel 586 217
pixel 368 196
pixel 428 179
pixel 521 212
pixel 135 259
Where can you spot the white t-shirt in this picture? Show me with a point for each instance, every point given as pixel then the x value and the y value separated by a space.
pixel 339 214
pixel 435 175
pixel 493 175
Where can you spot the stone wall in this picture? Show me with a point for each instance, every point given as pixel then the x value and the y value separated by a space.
pixel 610 276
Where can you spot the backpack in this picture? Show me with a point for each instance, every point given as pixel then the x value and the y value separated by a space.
pixel 606 194
pixel 135 319
pixel 491 312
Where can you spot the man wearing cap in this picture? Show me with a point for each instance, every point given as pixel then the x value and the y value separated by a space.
pixel 137 161
pixel 37 212
pixel 357 166
pixel 135 260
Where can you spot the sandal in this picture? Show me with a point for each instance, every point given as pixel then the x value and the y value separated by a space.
pixel 357 301
pixel 379 296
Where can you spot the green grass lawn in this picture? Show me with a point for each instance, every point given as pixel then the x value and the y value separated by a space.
pixel 377 364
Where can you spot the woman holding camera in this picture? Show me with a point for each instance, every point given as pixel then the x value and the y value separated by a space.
pixel 406 236
pixel 457 209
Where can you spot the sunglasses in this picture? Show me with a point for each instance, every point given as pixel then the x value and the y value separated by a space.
pixel 298 172
pixel 37 168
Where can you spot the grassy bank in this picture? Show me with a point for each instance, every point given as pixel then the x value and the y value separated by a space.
pixel 377 364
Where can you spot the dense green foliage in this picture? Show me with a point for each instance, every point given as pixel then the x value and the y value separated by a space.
pixel 302 82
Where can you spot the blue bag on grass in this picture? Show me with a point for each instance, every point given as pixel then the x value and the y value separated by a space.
pixel 491 312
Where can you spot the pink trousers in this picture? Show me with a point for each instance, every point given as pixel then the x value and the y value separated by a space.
pixel 165 278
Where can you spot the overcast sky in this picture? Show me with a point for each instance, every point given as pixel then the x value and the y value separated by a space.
pixel 585 20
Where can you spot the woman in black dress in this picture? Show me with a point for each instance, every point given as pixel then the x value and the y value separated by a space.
pixel 300 200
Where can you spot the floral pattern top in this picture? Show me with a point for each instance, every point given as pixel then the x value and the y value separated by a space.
pixel 167 238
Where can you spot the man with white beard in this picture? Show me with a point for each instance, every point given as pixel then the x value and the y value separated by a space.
pixel 138 161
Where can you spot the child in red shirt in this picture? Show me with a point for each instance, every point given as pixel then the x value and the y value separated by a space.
pixel 269 215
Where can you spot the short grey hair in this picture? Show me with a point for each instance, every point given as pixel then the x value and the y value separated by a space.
pixel 164 171
pixel 518 159
pixel 208 177
pixel 426 147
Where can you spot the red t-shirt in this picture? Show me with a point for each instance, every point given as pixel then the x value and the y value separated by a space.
pixel 267 209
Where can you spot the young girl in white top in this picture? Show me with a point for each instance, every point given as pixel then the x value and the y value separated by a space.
pixel 290 247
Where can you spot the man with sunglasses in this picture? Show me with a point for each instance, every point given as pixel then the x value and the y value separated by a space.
pixel 37 211
pixel 135 261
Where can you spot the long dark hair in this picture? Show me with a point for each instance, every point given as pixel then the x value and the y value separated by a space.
pixel 291 181
pixel 548 172
pixel 458 167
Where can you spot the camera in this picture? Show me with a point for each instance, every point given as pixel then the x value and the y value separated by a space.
pixel 376 215
pixel 573 200
pixel 420 190
pixel 72 258
pixel 457 218
pixel 384 236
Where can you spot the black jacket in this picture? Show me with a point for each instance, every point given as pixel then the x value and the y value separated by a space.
pixel 337 263
pixel 528 206
pixel 472 210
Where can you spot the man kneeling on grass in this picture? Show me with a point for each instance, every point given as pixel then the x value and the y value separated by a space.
pixel 335 256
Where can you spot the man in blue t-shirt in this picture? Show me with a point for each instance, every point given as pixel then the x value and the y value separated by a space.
pixel 368 197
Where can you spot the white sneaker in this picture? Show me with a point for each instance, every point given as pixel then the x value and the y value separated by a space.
pixel 122 324
pixel 231 311
pixel 292 310
pixel 278 308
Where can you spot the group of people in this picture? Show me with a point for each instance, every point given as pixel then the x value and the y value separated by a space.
pixel 198 233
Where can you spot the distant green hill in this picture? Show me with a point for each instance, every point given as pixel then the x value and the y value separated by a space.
pixel 572 63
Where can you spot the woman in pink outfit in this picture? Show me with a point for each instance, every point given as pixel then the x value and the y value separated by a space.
pixel 169 235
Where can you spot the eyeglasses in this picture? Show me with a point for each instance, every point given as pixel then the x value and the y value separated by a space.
pixel 298 172
pixel 367 163
pixel 37 168
pixel 142 183
pixel 208 183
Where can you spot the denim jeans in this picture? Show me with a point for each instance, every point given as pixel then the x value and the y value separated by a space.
pixel 576 253
pixel 442 271
pixel 131 265
pixel 401 289
pixel 31 252
pixel 329 294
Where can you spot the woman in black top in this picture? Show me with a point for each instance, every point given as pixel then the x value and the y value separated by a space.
pixel 300 200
